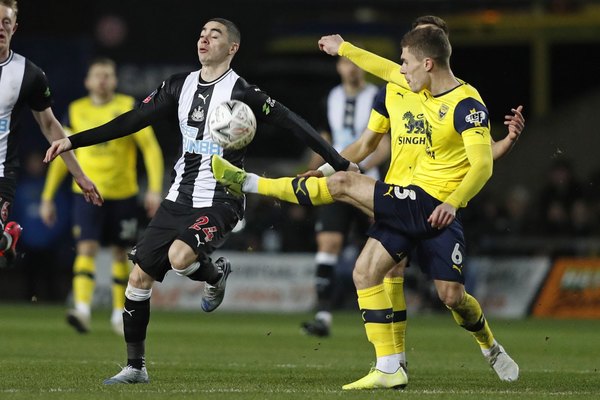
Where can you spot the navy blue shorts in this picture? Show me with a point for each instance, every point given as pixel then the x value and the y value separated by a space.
pixel 115 223
pixel 401 226
pixel 203 229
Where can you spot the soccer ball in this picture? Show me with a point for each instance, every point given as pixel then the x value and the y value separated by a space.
pixel 232 124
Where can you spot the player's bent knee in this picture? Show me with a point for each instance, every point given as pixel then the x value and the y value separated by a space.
pixel 451 295
pixel 337 183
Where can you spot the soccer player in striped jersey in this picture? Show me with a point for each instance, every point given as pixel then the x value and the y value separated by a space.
pixel 24 84
pixel 454 166
pixel 345 115
pixel 113 167
pixel 198 212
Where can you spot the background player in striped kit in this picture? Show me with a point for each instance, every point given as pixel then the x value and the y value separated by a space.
pixel 24 84
pixel 345 115
pixel 198 212
pixel 113 167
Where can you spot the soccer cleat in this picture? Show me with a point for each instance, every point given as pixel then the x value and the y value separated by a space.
pixel 316 327
pixel 506 368
pixel 129 375
pixel 376 379
pixel 78 320
pixel 214 294
pixel 13 232
pixel 228 174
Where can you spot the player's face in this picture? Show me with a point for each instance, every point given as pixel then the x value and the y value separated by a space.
pixel 101 80
pixel 8 27
pixel 213 45
pixel 414 71
pixel 349 72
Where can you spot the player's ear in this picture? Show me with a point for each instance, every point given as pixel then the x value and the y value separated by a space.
pixel 15 27
pixel 427 64
pixel 234 48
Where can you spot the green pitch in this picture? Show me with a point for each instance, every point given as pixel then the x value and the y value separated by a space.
pixel 193 355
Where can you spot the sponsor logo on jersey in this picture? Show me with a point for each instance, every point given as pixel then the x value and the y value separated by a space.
pixel 4 124
pixel 475 117
pixel 150 96
pixel 206 147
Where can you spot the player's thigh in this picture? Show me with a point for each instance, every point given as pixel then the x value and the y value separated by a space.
pixel 443 256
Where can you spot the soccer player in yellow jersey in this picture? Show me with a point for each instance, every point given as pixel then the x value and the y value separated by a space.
pixel 112 166
pixel 455 165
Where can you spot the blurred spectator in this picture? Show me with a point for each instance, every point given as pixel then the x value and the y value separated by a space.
pixel 516 215
pixel 557 199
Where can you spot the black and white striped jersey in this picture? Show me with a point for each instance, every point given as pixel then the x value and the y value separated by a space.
pixel 22 83
pixel 348 116
pixel 187 100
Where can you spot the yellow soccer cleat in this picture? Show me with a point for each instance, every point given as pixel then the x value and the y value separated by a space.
pixel 376 379
pixel 228 174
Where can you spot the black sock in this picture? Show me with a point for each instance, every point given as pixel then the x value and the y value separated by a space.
pixel 207 272
pixel 325 286
pixel 136 316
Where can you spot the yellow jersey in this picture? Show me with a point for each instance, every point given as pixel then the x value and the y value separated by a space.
pixel 398 110
pixel 111 165
pixel 457 130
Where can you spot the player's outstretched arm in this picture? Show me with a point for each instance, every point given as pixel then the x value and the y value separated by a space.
pixel 52 130
pixel 370 62
pixel 515 123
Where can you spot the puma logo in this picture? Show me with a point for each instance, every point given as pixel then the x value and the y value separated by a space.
pixel 389 192
pixel 202 97
pixel 128 312
pixel 198 239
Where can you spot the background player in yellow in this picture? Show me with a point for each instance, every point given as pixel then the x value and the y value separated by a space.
pixel 456 164
pixel 112 166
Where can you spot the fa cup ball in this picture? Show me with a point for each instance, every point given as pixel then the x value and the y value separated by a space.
pixel 232 125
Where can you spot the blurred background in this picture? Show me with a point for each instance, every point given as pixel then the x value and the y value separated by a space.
pixel 533 230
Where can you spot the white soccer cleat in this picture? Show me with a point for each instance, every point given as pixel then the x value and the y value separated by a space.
pixel 78 320
pixel 506 368
pixel 129 375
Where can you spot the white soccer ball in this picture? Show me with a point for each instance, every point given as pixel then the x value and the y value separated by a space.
pixel 232 124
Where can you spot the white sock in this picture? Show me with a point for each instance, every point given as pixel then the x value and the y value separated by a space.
pixel 324 316
pixel 388 364
pixel 488 352
pixel 84 308
pixel 117 315
pixel 251 183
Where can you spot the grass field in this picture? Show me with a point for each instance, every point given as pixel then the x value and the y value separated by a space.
pixel 194 355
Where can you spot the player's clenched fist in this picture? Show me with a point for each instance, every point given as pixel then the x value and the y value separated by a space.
pixel 330 44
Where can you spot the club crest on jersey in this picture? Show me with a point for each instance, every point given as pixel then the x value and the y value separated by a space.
pixel 475 117
pixel 198 114
pixel 443 111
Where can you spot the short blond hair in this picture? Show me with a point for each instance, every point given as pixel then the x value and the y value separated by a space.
pixel 10 4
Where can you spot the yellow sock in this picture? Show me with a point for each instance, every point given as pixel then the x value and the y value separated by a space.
pixel 469 315
pixel 376 309
pixel 299 190
pixel 84 269
pixel 394 288
pixel 120 276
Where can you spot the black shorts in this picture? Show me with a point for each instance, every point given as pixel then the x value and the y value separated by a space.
pixel 113 223
pixel 203 229
pixel 7 195
pixel 340 217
